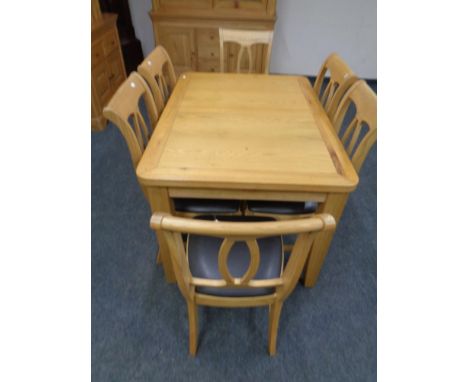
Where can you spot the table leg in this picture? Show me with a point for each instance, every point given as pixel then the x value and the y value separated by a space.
pixel 160 201
pixel 334 205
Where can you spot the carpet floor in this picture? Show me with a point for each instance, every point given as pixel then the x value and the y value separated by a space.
pixel 139 322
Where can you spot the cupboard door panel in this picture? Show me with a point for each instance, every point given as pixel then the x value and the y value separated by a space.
pixel 208 37
pixel 260 5
pixel 252 5
pixel 180 45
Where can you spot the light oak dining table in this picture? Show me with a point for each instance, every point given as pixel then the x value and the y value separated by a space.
pixel 247 137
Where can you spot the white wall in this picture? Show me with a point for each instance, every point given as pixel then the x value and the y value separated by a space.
pixel 306 32
pixel 142 24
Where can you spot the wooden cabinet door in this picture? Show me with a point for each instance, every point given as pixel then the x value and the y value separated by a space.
pixel 252 5
pixel 180 44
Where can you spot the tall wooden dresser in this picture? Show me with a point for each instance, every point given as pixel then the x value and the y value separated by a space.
pixel 188 29
pixel 107 65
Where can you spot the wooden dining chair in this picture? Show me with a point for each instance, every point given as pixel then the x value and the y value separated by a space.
pixel 245 38
pixel 360 133
pixel 341 77
pixel 158 72
pixel 237 261
pixel 124 110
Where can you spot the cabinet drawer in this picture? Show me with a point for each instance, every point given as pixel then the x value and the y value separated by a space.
pixel 101 82
pixel 208 52
pixel 115 71
pixel 208 65
pixel 97 53
pixel 208 37
pixel 110 42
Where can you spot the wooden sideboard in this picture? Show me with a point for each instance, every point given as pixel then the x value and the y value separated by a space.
pixel 188 29
pixel 107 65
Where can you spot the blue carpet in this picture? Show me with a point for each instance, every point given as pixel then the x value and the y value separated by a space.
pixel 139 322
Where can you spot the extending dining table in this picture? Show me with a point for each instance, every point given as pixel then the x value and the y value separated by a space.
pixel 247 137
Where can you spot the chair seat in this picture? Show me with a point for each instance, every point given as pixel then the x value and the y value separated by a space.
pixel 282 208
pixel 203 259
pixel 206 206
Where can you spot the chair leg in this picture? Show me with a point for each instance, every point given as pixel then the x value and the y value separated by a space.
pixel 274 316
pixel 158 257
pixel 243 207
pixel 193 326
pixel 288 247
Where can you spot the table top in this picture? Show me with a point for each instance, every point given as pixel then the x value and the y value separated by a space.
pixel 246 131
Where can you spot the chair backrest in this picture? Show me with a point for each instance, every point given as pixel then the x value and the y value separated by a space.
pixel 158 71
pixel 232 232
pixel 124 111
pixel 358 135
pixel 245 38
pixel 341 78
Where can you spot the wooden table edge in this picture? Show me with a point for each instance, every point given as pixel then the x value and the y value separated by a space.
pixel 345 168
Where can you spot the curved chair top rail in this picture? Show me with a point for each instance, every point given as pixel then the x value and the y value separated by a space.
pixel 159 73
pixel 246 38
pixel 237 229
pixel 341 78
pixel 124 105
pixel 355 139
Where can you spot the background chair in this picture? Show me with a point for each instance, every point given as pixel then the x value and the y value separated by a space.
pixel 341 78
pixel 252 276
pixel 158 72
pixel 245 38
pixel 358 135
pixel 125 111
